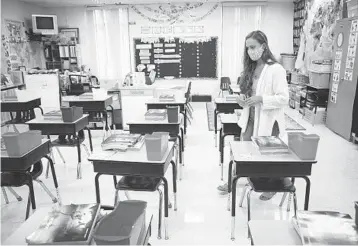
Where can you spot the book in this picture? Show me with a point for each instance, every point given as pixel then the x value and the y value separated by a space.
pixel 325 228
pixel 123 142
pixel 156 114
pixel 231 98
pixel 270 144
pixel 167 98
pixel 69 224
pixel 55 114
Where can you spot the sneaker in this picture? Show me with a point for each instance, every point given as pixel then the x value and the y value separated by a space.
pixel 223 188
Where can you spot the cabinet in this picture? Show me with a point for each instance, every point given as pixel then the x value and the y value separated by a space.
pixel 299 17
pixel 62 57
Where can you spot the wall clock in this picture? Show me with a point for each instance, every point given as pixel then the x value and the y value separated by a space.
pixel 340 40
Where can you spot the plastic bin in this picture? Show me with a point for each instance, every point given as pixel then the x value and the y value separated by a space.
pixel 125 225
pixel 319 80
pixel 18 144
pixel 173 114
pixel 156 145
pixel 288 61
pixel 71 114
pixel 303 145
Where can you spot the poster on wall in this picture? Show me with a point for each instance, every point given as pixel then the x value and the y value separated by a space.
pixel 336 76
pixel 354 27
pixel 352 50
pixel 350 62
pixel 353 38
pixel 337 65
pixel 335 87
pixel 339 55
pixel 334 97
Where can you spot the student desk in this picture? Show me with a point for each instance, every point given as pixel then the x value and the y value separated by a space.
pixel 25 102
pixel 155 103
pixel 58 127
pixel 135 163
pixel 22 163
pixel 228 127
pixel 143 126
pixel 249 162
pixel 273 232
pixel 98 103
pixel 222 106
pixel 35 220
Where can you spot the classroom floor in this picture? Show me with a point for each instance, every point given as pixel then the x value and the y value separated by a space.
pixel 202 217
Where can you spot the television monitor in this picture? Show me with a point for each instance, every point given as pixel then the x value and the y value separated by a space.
pixel 45 24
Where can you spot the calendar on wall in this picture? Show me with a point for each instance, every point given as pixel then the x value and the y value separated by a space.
pixel 184 57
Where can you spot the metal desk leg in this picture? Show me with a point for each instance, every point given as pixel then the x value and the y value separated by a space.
pixel 182 136
pixel 89 138
pixel 215 125
pixel 229 184
pixel 181 156
pixel 185 120
pixel 96 181
pixel 308 190
pixel 220 135
pixel 174 184
pixel 166 210
pixel 79 171
pixel 233 207
pixel 54 177
pixel 31 189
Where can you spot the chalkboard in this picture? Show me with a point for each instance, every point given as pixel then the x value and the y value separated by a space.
pixel 178 59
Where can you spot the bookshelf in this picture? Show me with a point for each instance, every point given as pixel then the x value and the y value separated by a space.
pixel 62 57
pixel 299 17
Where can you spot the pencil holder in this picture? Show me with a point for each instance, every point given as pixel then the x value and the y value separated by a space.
pixel 156 145
pixel 303 145
pixel 18 144
pixel 71 114
pixel 173 114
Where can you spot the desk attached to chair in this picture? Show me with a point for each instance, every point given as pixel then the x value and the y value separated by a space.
pixel 249 162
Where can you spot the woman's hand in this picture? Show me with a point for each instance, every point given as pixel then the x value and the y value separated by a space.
pixel 241 100
pixel 252 101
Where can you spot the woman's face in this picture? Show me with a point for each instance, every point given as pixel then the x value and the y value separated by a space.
pixel 254 49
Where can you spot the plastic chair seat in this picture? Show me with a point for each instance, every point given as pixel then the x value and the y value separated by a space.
pixel 131 183
pixel 279 185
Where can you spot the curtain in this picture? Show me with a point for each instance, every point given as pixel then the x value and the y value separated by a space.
pixel 238 21
pixel 110 42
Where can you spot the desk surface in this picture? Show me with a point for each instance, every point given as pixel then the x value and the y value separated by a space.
pixel 273 232
pixel 129 156
pixel 34 221
pixel 246 151
pixel 21 98
pixel 228 118
pixel 222 100
pixel 180 100
pixel 43 121
pixel 96 98
pixel 143 121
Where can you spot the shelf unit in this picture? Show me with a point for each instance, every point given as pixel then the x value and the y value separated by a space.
pixel 62 57
pixel 299 17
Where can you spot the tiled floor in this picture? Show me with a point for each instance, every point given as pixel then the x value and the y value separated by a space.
pixel 202 217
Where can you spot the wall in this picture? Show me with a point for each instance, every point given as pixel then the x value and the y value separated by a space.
pixel 277 23
pixel 19 11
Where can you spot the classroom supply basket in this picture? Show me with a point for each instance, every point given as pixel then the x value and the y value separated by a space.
pixel 288 61
pixel 173 114
pixel 71 114
pixel 18 144
pixel 156 144
pixel 319 80
pixel 297 78
pixel 303 145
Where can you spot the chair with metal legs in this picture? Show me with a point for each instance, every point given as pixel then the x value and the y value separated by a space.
pixel 17 179
pixel 263 186
pixel 151 186
pixel 224 85
pixel 19 198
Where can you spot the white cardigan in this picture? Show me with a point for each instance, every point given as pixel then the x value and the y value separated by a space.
pixel 272 86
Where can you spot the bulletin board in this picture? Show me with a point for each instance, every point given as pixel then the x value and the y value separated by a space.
pixel 179 57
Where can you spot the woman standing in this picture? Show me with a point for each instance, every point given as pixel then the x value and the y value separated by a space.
pixel 264 95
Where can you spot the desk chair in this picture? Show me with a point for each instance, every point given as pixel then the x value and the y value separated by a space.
pixel 264 186
pixel 224 85
pixel 18 179
pixel 190 109
pixel 147 185
pixel 19 198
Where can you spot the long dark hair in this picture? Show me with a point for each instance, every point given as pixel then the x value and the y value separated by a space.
pixel 250 65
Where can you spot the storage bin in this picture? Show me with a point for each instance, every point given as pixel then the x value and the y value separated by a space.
pixel 319 80
pixel 288 61
pixel 18 144
pixel 156 145
pixel 173 114
pixel 351 8
pixel 125 225
pixel 314 118
pixel 297 78
pixel 71 114
pixel 303 145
